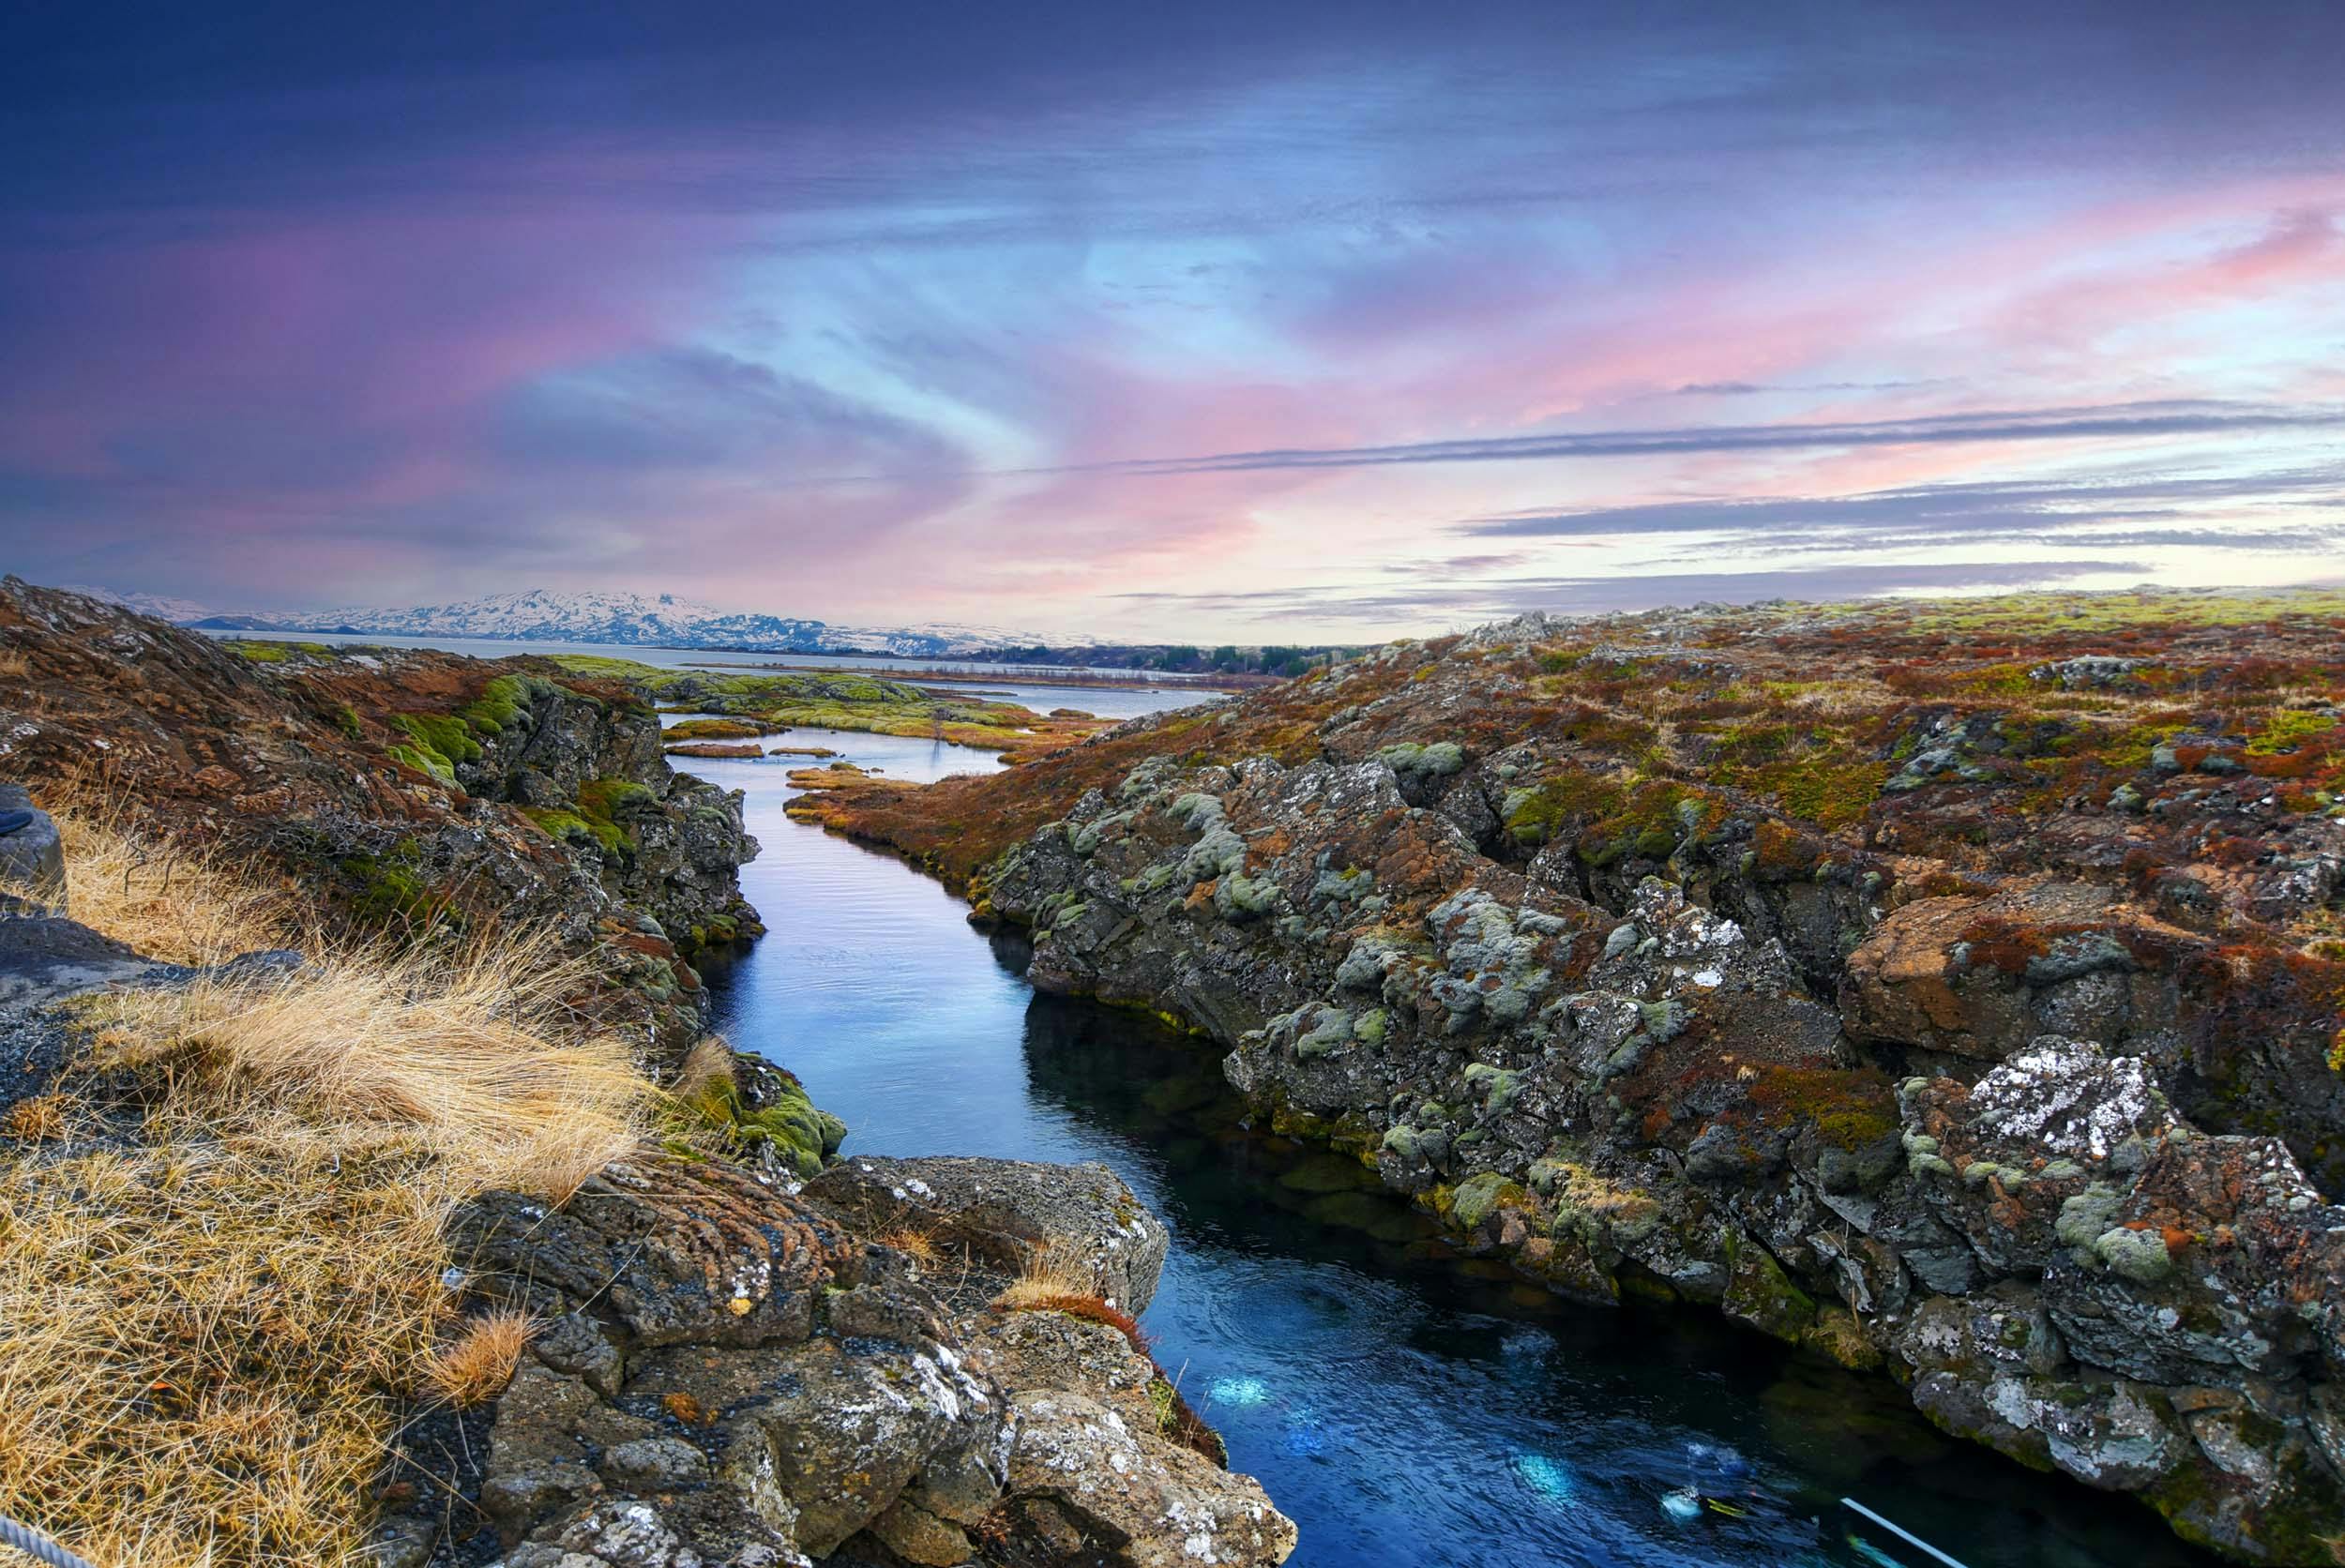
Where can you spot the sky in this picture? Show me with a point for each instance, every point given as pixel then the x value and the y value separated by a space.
pixel 1267 322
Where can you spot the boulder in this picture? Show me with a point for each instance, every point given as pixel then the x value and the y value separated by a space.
pixel 32 860
pixel 728 1373
pixel 1171 1507
pixel 1006 1212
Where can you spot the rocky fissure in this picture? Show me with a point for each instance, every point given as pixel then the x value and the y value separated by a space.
pixel 2057 1153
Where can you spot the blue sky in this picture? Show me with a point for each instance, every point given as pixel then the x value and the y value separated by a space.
pixel 1240 322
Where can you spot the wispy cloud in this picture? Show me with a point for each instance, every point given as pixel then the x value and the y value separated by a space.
pixel 2129 420
pixel 1753 389
pixel 1969 509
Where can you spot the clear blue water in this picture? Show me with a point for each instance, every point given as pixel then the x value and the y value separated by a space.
pixel 1406 1407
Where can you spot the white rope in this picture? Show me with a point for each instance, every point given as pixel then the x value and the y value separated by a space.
pixel 1899 1532
pixel 33 1543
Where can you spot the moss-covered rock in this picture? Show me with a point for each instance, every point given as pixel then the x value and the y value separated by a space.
pixel 771 1111
pixel 1478 1196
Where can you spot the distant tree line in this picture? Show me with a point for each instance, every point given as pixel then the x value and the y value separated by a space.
pixel 1177 658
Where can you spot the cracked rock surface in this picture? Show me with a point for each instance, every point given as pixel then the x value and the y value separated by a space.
pixel 729 1376
pixel 2019 1098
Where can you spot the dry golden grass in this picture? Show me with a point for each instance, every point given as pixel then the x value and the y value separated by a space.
pixel 473 1368
pixel 170 900
pixel 206 1342
pixel 1056 1278
pixel 419 1049
pixel 913 1243
pixel 37 1120
pixel 696 1110
pixel 196 1345
pixel 15 664
pixel 1049 1275
pixel 708 1064
pixel 1841 699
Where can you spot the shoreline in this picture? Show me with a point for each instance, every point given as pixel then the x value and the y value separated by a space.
pixel 1228 684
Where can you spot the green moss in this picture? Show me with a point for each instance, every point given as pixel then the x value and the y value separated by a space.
pixel 1999 680
pixel 1761 1294
pixel 1536 814
pixel 440 742
pixel 713 730
pixel 501 702
pixel 577 829
pixel 2141 1256
pixel 275 653
pixel 1163 1402
pixel 423 760
pixel 1833 796
pixel 1851 1108
pixel 1412 761
pixel 1816 771
pixel 1241 897
pixel 2287 730
pixel 1478 1196
pixel 791 1124
pixel 390 890
pixel 604 798
pixel 2131 747
pixel 347 720
pixel 1648 824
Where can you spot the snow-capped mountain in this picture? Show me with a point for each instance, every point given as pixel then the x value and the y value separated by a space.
pixel 161 606
pixel 541 615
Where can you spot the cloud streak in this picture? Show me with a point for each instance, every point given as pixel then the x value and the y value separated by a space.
pixel 1459 603
pixel 1948 512
pixel 2114 421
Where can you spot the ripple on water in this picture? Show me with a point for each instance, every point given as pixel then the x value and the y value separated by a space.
pixel 1330 1314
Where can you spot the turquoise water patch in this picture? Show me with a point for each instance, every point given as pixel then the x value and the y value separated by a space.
pixel 1546 1476
pixel 1238 1392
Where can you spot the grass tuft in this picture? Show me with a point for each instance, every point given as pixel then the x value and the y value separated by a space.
pixel 1049 1275
pixel 473 1368
pixel 913 1243
pixel 170 900
pixel 431 1053
pixel 41 1119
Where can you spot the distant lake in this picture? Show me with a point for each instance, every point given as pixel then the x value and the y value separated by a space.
pixel 1027 684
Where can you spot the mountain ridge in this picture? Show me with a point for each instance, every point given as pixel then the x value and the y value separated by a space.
pixel 625 619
